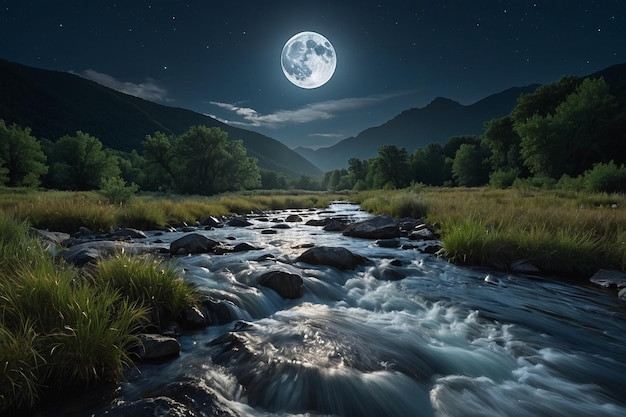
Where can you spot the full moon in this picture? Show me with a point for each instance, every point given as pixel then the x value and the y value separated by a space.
pixel 308 60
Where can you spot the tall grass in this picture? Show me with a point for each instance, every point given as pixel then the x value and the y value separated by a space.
pixel 149 282
pixel 559 231
pixel 61 328
pixel 67 211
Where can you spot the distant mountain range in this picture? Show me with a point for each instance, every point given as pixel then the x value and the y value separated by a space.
pixel 436 122
pixel 54 104
pixel 417 127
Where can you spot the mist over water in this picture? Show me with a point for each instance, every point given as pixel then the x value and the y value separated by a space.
pixel 444 341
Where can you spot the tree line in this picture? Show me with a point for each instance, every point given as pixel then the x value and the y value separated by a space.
pixel 571 133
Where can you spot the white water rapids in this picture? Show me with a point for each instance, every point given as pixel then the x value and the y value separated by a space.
pixel 444 341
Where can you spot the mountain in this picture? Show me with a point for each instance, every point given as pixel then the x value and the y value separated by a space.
pixel 438 121
pixel 55 103
pixel 417 127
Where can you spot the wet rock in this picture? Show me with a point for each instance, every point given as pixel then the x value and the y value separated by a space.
pixel 211 221
pixel 422 234
pixel 388 243
pixel 293 218
pixel 622 294
pixel 243 247
pixel 159 406
pixel 431 249
pixel 281 226
pixel 187 397
pixel 194 318
pixel 56 238
pixel 188 229
pixel 157 347
pixel 192 243
pixel 318 222
pixel 391 274
pixel 609 278
pixel 337 257
pixel 218 311
pixel 379 227
pixel 269 231
pixel 238 222
pixel 336 225
pixel 287 285
pixel 95 250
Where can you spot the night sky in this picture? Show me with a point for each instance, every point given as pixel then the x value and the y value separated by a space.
pixel 222 58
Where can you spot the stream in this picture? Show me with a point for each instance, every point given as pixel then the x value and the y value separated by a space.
pixel 443 341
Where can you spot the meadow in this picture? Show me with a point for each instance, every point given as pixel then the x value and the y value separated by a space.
pixel 565 233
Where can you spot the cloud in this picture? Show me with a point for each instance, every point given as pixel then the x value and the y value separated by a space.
pixel 312 112
pixel 327 135
pixel 148 90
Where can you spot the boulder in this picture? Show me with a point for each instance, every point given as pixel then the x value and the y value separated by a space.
pixel 388 243
pixel 335 225
pixel 128 232
pixel 238 222
pixel 192 243
pixel 285 284
pixel 243 247
pixel 281 226
pixel 268 232
pixel 211 221
pixel 293 218
pixel 194 318
pixel 379 227
pixel 609 278
pixel 318 222
pixel 337 257
pixel 422 234
pixel 157 347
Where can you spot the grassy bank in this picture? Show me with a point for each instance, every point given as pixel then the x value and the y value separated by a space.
pixel 565 233
pixel 67 211
pixel 62 328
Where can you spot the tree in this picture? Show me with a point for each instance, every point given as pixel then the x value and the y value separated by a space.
pixel 21 159
pixel 428 165
pixel 80 162
pixel 470 167
pixel 203 160
pixel 576 136
pixel 159 152
pixel 544 100
pixel 391 167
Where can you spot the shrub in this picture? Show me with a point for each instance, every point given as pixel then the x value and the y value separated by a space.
pixel 117 191
pixel 606 177
pixel 503 178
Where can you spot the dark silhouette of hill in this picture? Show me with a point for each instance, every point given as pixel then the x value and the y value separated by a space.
pixel 438 121
pixel 417 127
pixel 55 103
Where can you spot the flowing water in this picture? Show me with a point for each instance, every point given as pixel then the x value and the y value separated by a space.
pixel 443 341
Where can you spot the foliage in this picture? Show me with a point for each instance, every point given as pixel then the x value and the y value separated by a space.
pixel 117 191
pixel 56 330
pixel 567 233
pixel 470 167
pixel 428 165
pixel 608 178
pixel 503 178
pixel 148 282
pixel 22 162
pixel 572 138
pixel 80 162
pixel 203 160
pixel 390 168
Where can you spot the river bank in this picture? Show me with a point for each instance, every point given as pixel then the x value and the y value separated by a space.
pixel 393 331
pixel 390 268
